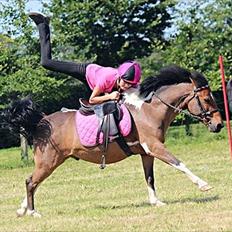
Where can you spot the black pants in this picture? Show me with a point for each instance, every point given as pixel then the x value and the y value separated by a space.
pixel 73 69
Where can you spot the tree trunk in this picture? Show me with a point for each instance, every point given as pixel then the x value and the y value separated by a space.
pixel 188 130
pixel 24 148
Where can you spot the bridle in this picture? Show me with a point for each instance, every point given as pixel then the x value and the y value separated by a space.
pixel 204 114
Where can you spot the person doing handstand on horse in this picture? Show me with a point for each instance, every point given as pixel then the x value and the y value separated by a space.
pixel 100 80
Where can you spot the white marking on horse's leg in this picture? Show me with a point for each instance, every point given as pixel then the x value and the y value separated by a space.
pixel 22 211
pixel 24 203
pixel 152 197
pixel 202 185
pixel 33 213
pixel 24 208
pixel 151 192
pixel 146 149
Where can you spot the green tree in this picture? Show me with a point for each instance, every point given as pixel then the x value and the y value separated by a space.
pixel 204 31
pixel 21 74
pixel 108 32
pixel 5 55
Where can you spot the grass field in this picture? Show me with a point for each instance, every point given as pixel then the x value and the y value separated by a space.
pixel 81 197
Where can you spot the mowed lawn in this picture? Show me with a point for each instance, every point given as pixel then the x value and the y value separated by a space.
pixel 79 196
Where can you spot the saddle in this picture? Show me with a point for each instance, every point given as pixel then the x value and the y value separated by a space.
pixel 109 115
pixel 100 110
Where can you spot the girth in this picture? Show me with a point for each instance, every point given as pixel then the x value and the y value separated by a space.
pixel 109 116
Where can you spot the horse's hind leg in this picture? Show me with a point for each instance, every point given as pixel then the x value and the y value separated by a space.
pixel 32 183
pixel 27 205
pixel 43 168
pixel 148 162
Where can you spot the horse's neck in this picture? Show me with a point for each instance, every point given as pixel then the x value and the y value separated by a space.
pixel 172 96
pixel 156 114
pixel 169 94
pixel 173 93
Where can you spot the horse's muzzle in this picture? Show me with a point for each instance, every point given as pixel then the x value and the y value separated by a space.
pixel 215 128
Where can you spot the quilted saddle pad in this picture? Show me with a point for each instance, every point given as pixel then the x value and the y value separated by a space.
pixel 87 127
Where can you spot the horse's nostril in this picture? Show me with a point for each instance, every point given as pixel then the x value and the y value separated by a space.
pixel 220 126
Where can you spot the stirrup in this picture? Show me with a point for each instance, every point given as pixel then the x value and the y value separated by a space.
pixel 103 162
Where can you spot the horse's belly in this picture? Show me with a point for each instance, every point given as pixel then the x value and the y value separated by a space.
pixel 94 155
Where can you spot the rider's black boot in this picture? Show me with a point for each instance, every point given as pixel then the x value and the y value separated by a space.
pixel 39 18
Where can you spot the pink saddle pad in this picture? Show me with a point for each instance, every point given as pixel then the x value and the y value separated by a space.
pixel 87 127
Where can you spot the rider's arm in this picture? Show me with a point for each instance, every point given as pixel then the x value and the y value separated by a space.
pixel 95 97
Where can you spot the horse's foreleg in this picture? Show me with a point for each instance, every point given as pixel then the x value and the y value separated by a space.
pixel 202 185
pixel 148 162
pixel 159 151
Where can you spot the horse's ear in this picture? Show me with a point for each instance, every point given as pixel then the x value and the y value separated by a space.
pixel 194 83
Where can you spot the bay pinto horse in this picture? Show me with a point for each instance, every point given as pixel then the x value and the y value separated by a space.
pixel 153 106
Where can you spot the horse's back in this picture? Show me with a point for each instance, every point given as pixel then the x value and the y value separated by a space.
pixel 60 117
pixel 63 131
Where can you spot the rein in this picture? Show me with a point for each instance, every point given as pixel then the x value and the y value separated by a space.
pixel 203 114
pixel 177 109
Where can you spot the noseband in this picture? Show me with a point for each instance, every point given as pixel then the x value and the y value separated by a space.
pixel 204 115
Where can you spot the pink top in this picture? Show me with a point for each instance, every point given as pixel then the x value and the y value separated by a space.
pixel 102 77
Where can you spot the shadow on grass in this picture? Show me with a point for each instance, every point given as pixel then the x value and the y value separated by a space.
pixel 196 200
pixel 146 204
pixel 132 205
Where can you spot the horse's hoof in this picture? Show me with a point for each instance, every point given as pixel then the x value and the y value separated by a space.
pixel 36 215
pixel 33 213
pixel 21 212
pixel 205 188
pixel 158 203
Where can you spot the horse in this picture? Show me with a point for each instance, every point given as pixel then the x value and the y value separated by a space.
pixel 153 105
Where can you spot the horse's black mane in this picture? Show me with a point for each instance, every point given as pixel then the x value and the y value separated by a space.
pixel 169 76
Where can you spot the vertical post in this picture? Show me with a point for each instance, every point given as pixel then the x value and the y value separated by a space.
pixel 225 104
pixel 188 130
pixel 24 148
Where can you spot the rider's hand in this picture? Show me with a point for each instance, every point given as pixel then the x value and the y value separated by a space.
pixel 115 95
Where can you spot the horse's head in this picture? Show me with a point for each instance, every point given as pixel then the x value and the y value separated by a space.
pixel 201 104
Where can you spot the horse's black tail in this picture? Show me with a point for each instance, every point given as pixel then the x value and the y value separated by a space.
pixel 22 117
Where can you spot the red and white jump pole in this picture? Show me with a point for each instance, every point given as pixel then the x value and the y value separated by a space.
pixel 225 104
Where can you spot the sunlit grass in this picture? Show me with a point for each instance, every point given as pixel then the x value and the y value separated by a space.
pixel 79 196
